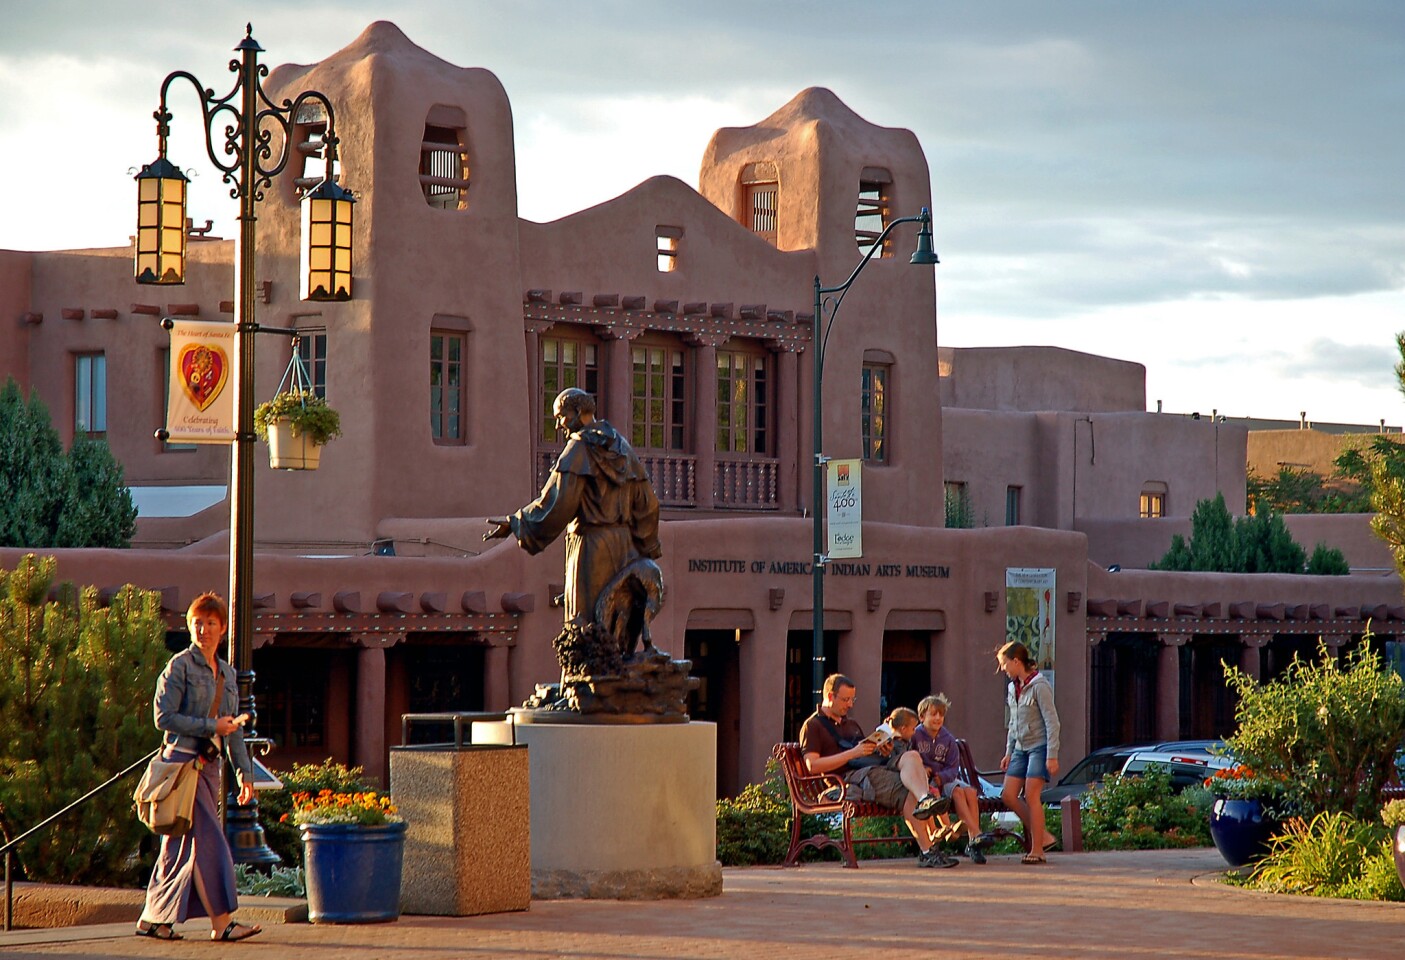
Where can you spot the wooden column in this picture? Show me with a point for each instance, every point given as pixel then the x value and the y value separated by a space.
pixel 1251 659
pixel 617 379
pixel 1168 685
pixel 370 749
pixel 787 405
pixel 705 417
pixel 496 694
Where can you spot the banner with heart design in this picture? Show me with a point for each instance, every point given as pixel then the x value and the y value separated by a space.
pixel 200 395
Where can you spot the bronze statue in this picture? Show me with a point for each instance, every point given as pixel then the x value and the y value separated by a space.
pixel 599 495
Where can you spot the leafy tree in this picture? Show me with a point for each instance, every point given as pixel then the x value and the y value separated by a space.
pixel 1289 491
pixel 1259 543
pixel 959 514
pixel 49 499
pixel 1330 732
pixel 76 682
pixel 1327 561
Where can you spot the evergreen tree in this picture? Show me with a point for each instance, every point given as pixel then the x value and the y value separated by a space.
pixel 97 509
pixel 76 684
pixel 1255 544
pixel 49 499
pixel 33 471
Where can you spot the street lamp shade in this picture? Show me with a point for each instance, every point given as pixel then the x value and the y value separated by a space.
pixel 326 251
pixel 161 189
pixel 924 255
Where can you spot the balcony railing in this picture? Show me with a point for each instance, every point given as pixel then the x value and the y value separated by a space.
pixel 737 483
pixel 673 476
pixel 748 484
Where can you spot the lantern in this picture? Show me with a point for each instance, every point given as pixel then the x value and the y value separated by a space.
pixel 326 252
pixel 161 189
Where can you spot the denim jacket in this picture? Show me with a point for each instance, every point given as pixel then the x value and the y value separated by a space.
pixel 182 707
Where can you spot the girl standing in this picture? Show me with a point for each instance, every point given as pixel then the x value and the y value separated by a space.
pixel 1031 745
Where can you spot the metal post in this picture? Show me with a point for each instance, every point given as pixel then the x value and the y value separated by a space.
pixel 9 894
pixel 818 504
pixel 922 257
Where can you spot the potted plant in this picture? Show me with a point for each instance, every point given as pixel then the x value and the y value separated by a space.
pixel 1393 816
pixel 1248 809
pixel 296 424
pixel 353 851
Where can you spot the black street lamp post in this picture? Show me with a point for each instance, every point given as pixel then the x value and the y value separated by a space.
pixel 249 160
pixel 825 300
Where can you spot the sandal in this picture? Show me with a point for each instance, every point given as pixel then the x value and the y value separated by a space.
pixel 236 931
pixel 157 931
pixel 1033 858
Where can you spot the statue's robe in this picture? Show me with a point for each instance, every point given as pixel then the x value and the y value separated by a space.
pixel 600 495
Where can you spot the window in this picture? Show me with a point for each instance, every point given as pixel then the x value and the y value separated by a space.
pixel 444 168
pixel 90 394
pixel 312 349
pixel 668 238
pixel 743 402
pixel 1153 501
pixel 448 349
pixel 959 514
pixel 1012 506
pixel 565 363
pixel 871 214
pixel 164 359
pixel 293 696
pixel 657 404
pixel 760 199
pixel 873 405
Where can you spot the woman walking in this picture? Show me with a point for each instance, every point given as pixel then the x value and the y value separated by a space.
pixel 1031 745
pixel 195 701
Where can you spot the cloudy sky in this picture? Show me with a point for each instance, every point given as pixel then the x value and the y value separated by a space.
pixel 1211 189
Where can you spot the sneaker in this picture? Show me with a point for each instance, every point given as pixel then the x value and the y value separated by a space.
pixel 935 858
pixel 931 805
pixel 974 852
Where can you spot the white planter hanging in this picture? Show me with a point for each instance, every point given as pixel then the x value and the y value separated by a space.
pixel 289 451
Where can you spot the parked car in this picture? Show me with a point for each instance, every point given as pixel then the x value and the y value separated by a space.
pixel 1187 768
pixel 1105 760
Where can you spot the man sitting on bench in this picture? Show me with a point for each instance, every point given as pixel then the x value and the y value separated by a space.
pixel 831 742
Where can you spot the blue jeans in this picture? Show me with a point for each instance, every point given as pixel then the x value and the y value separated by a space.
pixel 1029 764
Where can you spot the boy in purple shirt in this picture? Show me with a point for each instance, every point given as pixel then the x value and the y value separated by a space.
pixel 937 748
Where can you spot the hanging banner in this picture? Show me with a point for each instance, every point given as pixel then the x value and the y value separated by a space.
pixel 200 394
pixel 845 509
pixel 1029 613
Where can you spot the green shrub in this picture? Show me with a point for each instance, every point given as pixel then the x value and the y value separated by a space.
pixel 1333 855
pixel 76 682
pixel 1329 732
pixel 282 836
pixel 754 827
pixel 1143 812
pixel 277 882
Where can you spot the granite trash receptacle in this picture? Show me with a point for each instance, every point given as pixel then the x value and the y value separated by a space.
pixel 468 846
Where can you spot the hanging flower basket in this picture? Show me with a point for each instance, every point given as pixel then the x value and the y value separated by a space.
pixel 296 425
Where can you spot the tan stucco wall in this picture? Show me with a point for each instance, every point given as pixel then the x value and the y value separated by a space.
pixel 1039 378
pixel 1300 450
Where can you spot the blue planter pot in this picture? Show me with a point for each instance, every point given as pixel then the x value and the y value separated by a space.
pixel 353 872
pixel 1241 830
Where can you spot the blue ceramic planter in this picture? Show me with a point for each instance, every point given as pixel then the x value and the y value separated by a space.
pixel 353 872
pixel 1241 830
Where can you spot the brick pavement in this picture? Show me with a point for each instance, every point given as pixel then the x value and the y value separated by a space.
pixel 1138 905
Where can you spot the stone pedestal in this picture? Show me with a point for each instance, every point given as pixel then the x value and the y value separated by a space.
pixel 468 847
pixel 619 811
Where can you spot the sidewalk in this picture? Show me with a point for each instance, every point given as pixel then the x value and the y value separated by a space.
pixel 1148 904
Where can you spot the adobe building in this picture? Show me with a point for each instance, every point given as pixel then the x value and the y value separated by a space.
pixel 689 313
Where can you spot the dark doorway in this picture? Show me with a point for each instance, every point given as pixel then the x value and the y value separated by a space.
pixel 907 669
pixel 1122 675
pixel 799 672
pixel 441 678
pixel 1207 702
pixel 717 665
pixel 1282 650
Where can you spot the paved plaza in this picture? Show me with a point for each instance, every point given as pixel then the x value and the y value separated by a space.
pixel 1101 905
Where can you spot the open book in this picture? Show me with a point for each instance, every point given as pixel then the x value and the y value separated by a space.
pixel 881 734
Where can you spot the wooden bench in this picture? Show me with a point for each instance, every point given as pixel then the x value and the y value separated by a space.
pixel 805 789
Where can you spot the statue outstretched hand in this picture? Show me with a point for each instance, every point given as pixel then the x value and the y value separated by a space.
pixel 502 529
